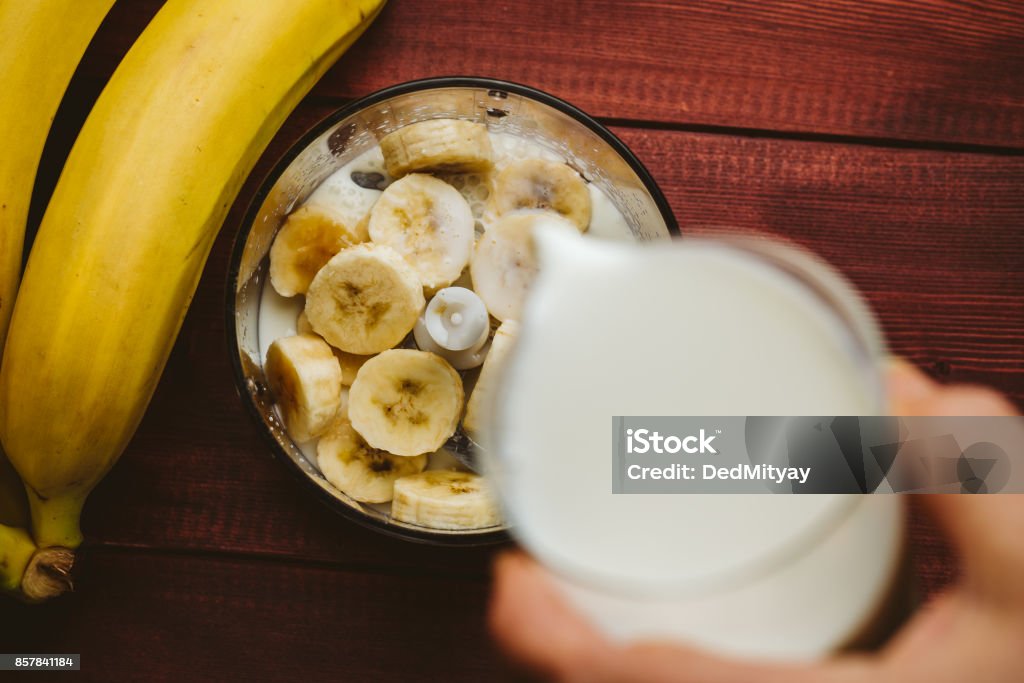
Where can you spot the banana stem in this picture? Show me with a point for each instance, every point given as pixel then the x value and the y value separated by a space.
pixel 16 551
pixel 48 574
pixel 55 519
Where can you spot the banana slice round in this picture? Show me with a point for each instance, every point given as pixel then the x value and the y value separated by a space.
pixel 308 239
pixel 437 145
pixel 305 378
pixel 501 345
pixel 542 184
pixel 505 262
pixel 429 223
pixel 349 362
pixel 365 473
pixel 444 499
pixel 302 325
pixel 364 300
pixel 406 402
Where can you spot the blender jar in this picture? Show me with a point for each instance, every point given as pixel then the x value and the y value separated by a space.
pixel 587 146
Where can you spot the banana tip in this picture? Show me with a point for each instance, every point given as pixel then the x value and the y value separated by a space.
pixel 48 574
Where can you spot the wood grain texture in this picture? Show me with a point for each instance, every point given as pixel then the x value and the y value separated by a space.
pixel 912 70
pixel 935 240
pixel 162 617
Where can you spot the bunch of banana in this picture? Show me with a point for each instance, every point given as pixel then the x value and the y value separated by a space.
pixel 128 229
pixel 29 573
pixel 26 572
pixel 39 54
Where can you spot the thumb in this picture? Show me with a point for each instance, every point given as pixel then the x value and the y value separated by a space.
pixel 912 392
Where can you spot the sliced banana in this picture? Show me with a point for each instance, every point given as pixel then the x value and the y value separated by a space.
pixel 542 184
pixel 350 364
pixel 305 378
pixel 429 223
pixel 406 402
pixel 365 473
pixel 365 299
pixel 302 325
pixel 308 239
pixel 343 408
pixel 479 401
pixel 505 262
pixel 437 145
pixel 443 499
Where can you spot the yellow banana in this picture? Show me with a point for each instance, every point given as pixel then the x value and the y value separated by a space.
pixel 16 546
pixel 43 42
pixel 29 574
pixel 16 550
pixel 128 229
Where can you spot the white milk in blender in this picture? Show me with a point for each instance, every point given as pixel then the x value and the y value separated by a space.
pixel 691 328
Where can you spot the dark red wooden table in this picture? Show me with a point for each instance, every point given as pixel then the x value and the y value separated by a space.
pixel 887 136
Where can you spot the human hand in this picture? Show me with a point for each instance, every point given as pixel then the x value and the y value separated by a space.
pixel 973 632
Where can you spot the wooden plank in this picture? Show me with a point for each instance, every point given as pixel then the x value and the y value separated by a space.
pixel 159 617
pixel 934 238
pixel 926 71
pixel 166 617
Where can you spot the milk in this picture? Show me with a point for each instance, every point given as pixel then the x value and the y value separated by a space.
pixel 696 328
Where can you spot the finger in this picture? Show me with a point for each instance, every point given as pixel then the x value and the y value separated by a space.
pixel 964 399
pixel 912 392
pixel 537 627
pixel 907 385
pixel 533 622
